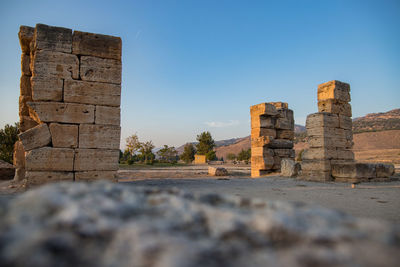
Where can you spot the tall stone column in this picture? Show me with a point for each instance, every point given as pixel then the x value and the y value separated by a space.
pixel 69 104
pixel 272 133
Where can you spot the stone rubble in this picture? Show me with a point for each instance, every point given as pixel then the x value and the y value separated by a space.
pixel 108 224
pixel 217 171
pixel 272 134
pixel 69 102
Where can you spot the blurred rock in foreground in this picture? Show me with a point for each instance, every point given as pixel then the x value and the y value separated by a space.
pixel 106 224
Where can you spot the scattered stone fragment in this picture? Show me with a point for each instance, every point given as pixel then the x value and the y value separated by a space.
pixel 7 170
pixel 219 171
pixel 290 168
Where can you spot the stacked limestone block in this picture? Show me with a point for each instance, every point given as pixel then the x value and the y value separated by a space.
pixel 329 131
pixel 272 134
pixel 69 104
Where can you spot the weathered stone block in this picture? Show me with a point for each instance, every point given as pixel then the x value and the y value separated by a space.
pixel 50 64
pixel 26 122
pixel 50 159
pixel 316 176
pixel 334 90
pixel 285 134
pixel 263 109
pixel 88 176
pixel 319 120
pixel 42 177
pixel 284 124
pixel 328 142
pixel 97 45
pixel 344 154
pixel 95 69
pixel 279 105
pixel 25 35
pixel 284 153
pixel 384 170
pixel 319 153
pixel 23 107
pixel 280 143
pixel 289 168
pixel 38 136
pixel 217 171
pixel 19 161
pixel 92 93
pixel 47 89
pixel 262 163
pixel 108 115
pixel 96 159
pixel 261 152
pixel 333 106
pixel 52 38
pixel 310 165
pixel 326 132
pixel 261 141
pixel 64 135
pixel 61 112
pixel 286 114
pixel 25 65
pixel 345 122
pixel 260 132
pixel 353 170
pixel 277 163
pixel 25 86
pixel 262 121
pixel 99 136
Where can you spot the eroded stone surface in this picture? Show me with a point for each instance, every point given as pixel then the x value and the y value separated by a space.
pixel 25 35
pixel 35 137
pixel 98 45
pixel 95 69
pixel 289 167
pixel 64 225
pixel 96 159
pixel 99 136
pixel 42 177
pixel 50 159
pixel 217 171
pixel 61 112
pixel 53 38
pixel 52 64
pixel 7 170
pixel 108 115
pixel 64 135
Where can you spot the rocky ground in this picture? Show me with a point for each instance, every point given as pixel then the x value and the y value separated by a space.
pixel 105 224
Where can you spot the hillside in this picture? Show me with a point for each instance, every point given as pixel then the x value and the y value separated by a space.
pixel 377 122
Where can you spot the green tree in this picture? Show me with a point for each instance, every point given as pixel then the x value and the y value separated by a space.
pixel 231 156
pixel 211 155
pixel 188 153
pixel 167 154
pixel 146 150
pixel 244 155
pixel 8 137
pixel 205 145
pixel 132 144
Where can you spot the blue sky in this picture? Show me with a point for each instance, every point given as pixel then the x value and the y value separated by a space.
pixel 191 66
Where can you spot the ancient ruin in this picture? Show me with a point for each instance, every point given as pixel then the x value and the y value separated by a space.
pixel 330 138
pixel 69 106
pixel 272 134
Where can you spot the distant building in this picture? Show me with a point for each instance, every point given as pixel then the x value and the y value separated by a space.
pixel 200 159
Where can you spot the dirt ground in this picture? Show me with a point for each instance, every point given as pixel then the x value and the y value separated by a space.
pixel 370 200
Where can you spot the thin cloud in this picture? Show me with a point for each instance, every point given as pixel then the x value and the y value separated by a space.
pixel 220 124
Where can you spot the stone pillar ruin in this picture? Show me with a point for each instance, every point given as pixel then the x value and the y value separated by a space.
pixel 69 105
pixel 329 132
pixel 272 134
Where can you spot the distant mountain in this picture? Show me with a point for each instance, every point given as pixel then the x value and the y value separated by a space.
pixel 377 122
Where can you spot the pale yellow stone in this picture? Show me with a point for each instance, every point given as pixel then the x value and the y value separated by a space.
pixel 95 69
pixel 334 90
pixel 108 115
pixel 49 64
pixel 309 165
pixel 52 38
pixel 25 35
pixel 25 64
pixel 333 106
pixel 263 109
pixel 260 132
pixel 279 105
pixel 262 162
pixel 61 112
pixel 99 136
pixel 38 136
pixel 96 159
pixel 64 135
pixel 50 159
pixel 98 45
pixel 261 152
pixel 47 89
pixel 92 93
pixel 319 153
pixel 261 141
pixel 262 122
